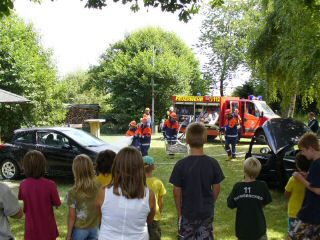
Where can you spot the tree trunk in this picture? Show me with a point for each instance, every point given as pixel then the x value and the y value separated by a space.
pixel 223 76
pixel 292 106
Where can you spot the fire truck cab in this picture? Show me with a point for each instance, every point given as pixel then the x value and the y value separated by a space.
pixel 211 111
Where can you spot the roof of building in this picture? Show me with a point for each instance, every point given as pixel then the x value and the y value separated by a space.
pixel 9 97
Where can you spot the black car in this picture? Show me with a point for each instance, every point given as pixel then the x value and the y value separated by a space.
pixel 59 145
pixel 278 158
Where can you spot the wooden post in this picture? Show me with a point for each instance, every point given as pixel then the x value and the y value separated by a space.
pixel 95 126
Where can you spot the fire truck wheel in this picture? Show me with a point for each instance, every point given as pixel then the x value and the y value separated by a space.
pixel 211 138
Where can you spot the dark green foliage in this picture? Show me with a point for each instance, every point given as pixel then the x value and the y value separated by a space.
pixel 286 51
pixel 26 69
pixel 127 68
pixel 245 90
pixel 5 7
pixel 186 8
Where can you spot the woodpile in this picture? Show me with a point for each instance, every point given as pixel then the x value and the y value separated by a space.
pixel 79 112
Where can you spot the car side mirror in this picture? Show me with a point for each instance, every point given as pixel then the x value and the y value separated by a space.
pixel 261 114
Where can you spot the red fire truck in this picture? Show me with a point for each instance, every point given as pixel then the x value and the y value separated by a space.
pixel 211 111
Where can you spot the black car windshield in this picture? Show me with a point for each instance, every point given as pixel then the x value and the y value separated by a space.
pixel 282 132
pixel 83 138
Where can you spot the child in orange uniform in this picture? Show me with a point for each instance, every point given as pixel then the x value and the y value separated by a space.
pixel 132 132
pixel 144 133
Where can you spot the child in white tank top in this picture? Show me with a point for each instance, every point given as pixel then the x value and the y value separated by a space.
pixel 128 204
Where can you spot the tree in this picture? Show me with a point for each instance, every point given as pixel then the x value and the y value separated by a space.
pixel 26 69
pixel 223 41
pixel 248 88
pixel 128 67
pixel 75 88
pixel 186 8
pixel 286 51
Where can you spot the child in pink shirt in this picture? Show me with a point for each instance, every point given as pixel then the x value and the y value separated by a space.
pixel 39 196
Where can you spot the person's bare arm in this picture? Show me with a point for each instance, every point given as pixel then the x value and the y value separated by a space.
pixel 299 177
pixel 100 200
pixel 216 191
pixel 177 194
pixel 287 194
pixel 71 221
pixel 152 205
pixel 160 203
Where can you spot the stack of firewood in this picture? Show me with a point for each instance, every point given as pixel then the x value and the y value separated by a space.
pixel 80 112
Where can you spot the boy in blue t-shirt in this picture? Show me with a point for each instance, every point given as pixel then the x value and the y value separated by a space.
pixel 196 181
pixel 307 226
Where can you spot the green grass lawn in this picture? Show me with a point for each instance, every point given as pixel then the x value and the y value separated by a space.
pixel 224 218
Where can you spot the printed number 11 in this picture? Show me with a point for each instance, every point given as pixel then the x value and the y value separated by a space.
pixel 247 190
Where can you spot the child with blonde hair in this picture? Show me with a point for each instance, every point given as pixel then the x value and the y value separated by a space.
pixel 39 196
pixel 83 217
pixel 295 190
pixel 159 190
pixel 249 197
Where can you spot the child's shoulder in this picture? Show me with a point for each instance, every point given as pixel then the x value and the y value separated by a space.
pixel 157 180
pixel 47 181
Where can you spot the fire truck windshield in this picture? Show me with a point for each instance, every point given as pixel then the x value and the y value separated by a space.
pixel 263 107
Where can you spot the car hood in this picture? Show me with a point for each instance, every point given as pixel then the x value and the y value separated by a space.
pixel 116 147
pixel 283 132
pixel 103 147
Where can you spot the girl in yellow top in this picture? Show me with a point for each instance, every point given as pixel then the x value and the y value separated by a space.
pixel 103 168
pixel 156 186
pixel 294 190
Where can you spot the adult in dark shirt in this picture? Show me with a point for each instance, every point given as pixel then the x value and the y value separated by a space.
pixel 249 197
pixel 196 181
pixel 307 226
pixel 313 122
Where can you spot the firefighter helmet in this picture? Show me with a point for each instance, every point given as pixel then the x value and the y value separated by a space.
pixel 133 124
pixel 173 115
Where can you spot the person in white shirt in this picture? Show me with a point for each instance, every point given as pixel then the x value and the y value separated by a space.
pixel 127 204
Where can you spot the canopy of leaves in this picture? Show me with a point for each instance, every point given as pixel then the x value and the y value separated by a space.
pixel 128 67
pixel 26 69
pixel 287 50
pixel 185 8
pixel 223 40
pixel 75 88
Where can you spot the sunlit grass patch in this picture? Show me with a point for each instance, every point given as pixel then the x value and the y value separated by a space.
pixel 224 217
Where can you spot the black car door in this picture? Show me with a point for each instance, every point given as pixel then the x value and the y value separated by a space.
pixel 22 143
pixel 59 151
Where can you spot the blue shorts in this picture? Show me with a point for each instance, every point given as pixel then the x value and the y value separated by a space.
pixel 85 233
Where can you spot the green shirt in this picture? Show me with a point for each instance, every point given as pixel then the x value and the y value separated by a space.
pixel 87 211
pixel 249 198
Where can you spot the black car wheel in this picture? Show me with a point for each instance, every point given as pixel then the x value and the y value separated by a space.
pixel 9 169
